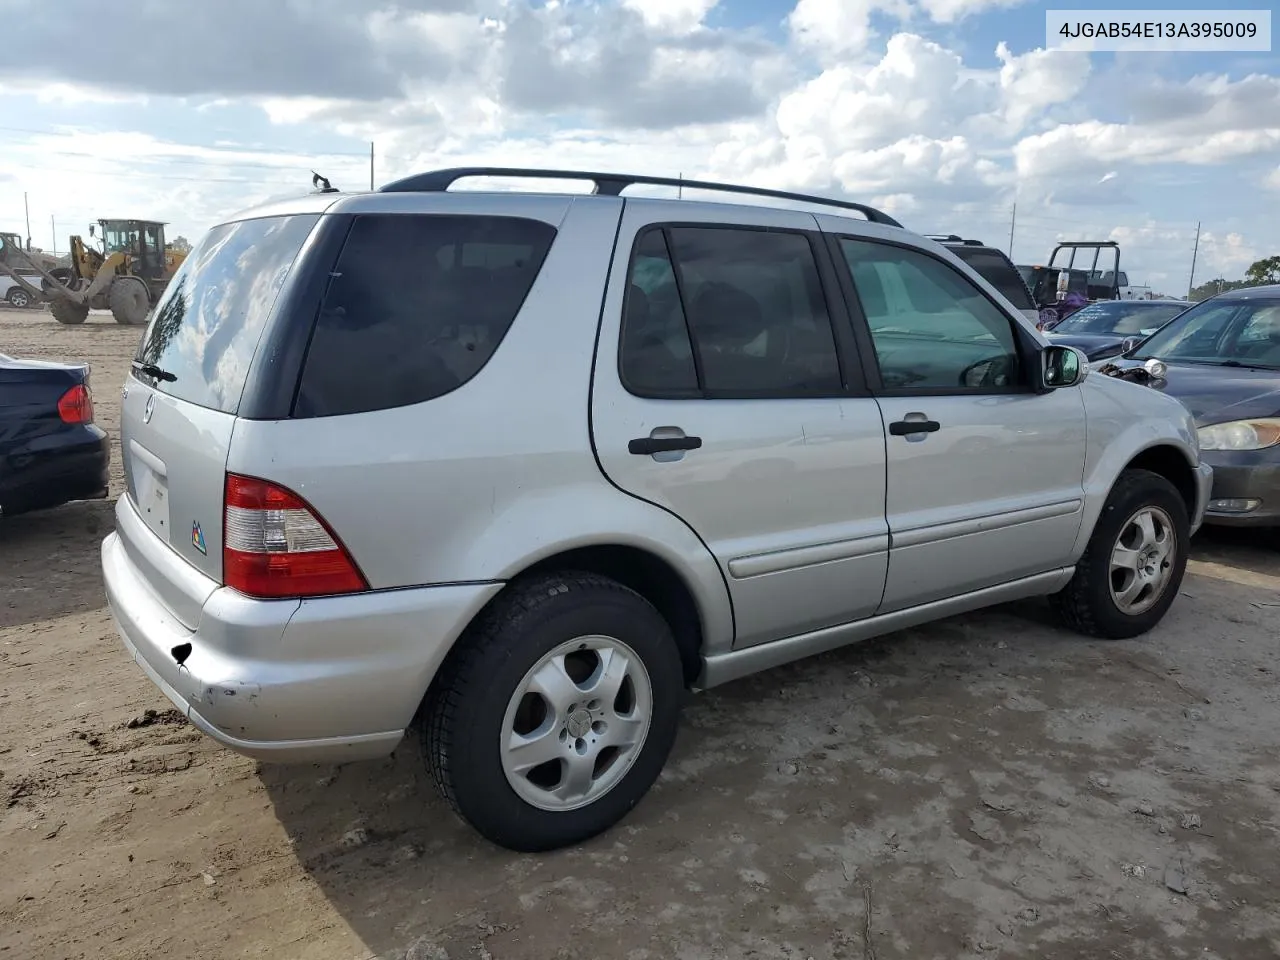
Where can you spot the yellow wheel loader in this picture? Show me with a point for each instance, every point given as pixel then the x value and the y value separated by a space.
pixel 126 276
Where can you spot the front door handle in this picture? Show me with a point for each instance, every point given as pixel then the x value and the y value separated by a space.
pixel 904 428
pixel 647 446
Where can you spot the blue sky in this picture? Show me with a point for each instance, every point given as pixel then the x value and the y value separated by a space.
pixel 947 112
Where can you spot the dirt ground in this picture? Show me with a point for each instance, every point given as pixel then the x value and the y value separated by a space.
pixel 990 786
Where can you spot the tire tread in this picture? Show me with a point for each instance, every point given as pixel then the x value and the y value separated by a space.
pixel 461 672
pixel 1073 604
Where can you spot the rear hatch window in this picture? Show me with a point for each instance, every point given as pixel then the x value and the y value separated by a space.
pixel 998 271
pixel 179 408
pixel 207 325
pixel 417 305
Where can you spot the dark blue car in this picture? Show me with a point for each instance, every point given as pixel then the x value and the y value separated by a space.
pixel 51 451
pixel 1109 327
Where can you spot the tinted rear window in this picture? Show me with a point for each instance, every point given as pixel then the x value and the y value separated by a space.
pixel 207 325
pixel 417 306
pixel 999 272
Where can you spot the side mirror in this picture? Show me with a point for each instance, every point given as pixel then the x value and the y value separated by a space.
pixel 1062 367
pixel 91 229
pixel 1129 344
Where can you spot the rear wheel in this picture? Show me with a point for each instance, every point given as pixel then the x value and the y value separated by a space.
pixel 556 714
pixel 64 311
pixel 1132 569
pixel 129 301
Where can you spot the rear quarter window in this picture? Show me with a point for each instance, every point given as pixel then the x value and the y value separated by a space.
pixel 207 325
pixel 416 306
pixel 998 271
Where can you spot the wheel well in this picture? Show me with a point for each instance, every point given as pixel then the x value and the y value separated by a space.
pixel 1171 464
pixel 652 578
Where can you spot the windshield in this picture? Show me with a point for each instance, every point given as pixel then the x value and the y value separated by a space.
pixel 1120 318
pixel 1230 333
pixel 998 271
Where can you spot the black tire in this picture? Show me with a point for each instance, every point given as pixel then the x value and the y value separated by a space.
pixel 19 298
pixel 129 301
pixel 64 311
pixel 1086 604
pixel 463 720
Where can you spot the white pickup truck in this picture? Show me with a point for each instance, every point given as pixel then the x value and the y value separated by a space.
pixel 1125 290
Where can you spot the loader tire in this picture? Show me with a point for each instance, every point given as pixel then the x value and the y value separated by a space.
pixel 129 301
pixel 64 311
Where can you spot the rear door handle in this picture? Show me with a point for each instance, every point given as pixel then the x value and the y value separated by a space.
pixel 904 428
pixel 647 446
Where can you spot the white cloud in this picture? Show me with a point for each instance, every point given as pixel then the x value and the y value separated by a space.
pixel 836 28
pixel 1038 80
pixel 675 16
pixel 860 97
pixel 949 11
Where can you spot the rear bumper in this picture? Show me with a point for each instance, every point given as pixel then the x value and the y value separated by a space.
pixel 328 680
pixel 1256 483
pixel 68 465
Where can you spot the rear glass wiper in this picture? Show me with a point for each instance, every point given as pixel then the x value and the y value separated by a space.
pixel 151 370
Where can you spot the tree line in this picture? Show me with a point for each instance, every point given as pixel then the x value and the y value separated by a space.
pixel 1261 273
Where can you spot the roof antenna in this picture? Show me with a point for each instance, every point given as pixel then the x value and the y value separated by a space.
pixel 322 184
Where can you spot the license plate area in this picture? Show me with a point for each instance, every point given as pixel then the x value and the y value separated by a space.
pixel 150 485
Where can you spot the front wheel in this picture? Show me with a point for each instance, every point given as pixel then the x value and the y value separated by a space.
pixel 19 298
pixel 1132 569
pixel 557 712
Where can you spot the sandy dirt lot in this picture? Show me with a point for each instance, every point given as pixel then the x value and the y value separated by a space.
pixel 990 786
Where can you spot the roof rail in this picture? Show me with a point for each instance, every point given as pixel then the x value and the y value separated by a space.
pixel 612 185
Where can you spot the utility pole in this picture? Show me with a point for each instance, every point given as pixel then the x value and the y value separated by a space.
pixel 28 211
pixel 680 188
pixel 53 230
pixel 370 165
pixel 1012 220
pixel 1191 284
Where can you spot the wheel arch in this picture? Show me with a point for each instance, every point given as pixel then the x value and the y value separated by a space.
pixel 1171 463
pixel 643 570
pixel 1165 456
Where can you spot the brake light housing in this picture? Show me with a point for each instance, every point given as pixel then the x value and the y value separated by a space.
pixel 76 405
pixel 275 546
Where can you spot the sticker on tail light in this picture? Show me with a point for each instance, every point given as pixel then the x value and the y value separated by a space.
pixel 275 546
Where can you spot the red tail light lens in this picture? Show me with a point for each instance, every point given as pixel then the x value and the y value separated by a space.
pixel 76 405
pixel 275 546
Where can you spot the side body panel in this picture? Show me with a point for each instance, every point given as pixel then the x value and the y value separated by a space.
pixel 477 484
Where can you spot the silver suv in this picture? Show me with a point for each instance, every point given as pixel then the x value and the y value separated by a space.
pixel 518 469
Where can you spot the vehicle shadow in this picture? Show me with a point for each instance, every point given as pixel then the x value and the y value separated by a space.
pixel 1257 551
pixel 412 881
pixel 49 561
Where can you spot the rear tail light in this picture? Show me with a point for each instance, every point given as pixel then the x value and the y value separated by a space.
pixel 275 546
pixel 76 405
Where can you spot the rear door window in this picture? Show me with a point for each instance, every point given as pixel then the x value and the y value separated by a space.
pixel 416 307
pixel 727 313
pixel 206 327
